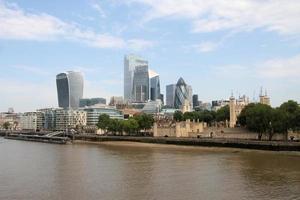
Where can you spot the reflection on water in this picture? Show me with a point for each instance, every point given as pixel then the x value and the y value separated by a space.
pixel 84 171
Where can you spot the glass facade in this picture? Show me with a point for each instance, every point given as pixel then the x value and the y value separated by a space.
pixel 94 113
pixel 130 63
pixel 69 89
pixel 170 95
pixel 181 93
pixel 141 84
pixel 155 88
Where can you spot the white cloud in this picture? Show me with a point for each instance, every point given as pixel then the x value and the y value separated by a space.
pixel 242 15
pixel 139 44
pixel 281 68
pixel 206 46
pixel 98 8
pixel 18 24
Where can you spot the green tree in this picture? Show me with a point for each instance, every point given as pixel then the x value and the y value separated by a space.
pixel 279 122
pixel 243 115
pixel 178 116
pixel 130 126
pixel 6 125
pixel 144 121
pixel 223 114
pixel 115 126
pixel 189 115
pixel 258 118
pixel 291 108
pixel 103 122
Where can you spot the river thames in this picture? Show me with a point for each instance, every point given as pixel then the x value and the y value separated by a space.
pixel 137 171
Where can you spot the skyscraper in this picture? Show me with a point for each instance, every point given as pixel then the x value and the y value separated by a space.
pixel 170 95
pixel 141 84
pixel 130 64
pixel 190 95
pixel 154 86
pixel 195 101
pixel 69 89
pixel 181 93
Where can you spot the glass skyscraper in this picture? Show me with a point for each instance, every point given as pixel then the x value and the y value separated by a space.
pixel 154 86
pixel 130 64
pixel 181 93
pixel 141 84
pixel 69 89
pixel 170 95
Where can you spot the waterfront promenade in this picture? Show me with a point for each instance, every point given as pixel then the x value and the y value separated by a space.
pixel 213 142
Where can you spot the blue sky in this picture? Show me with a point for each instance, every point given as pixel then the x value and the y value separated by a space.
pixel 217 46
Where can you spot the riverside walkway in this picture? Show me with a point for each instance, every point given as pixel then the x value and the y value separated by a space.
pixel 208 142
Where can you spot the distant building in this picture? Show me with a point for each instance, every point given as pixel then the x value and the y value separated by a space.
pixel 195 101
pixel 69 89
pixel 141 84
pixel 48 118
pixel 93 113
pixel 130 64
pixel 190 95
pixel 92 101
pixel 152 107
pixel 170 95
pixel 264 99
pixel 217 104
pixel 236 107
pixel 204 106
pixel 12 118
pixel 181 94
pixel 154 86
pixel 114 100
pixel 69 119
pixel 33 121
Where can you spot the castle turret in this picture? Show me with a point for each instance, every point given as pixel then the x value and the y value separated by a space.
pixel 233 117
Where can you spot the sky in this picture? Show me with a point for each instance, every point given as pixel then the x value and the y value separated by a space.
pixel 218 46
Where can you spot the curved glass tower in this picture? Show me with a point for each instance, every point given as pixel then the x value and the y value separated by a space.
pixel 69 89
pixel 181 93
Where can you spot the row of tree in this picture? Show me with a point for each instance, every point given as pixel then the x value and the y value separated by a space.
pixel 133 125
pixel 204 115
pixel 265 119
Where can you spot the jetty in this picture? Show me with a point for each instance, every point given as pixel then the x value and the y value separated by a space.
pixel 38 138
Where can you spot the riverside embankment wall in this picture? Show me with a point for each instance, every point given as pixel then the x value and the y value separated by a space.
pixel 213 142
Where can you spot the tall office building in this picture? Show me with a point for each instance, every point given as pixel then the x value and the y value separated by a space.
pixel 195 101
pixel 141 84
pixel 154 86
pixel 170 95
pixel 181 94
pixel 130 64
pixel 69 89
pixel 190 95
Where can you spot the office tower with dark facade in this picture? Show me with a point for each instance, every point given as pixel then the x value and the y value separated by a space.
pixel 195 101
pixel 92 101
pixel 170 95
pixel 141 84
pixel 154 86
pixel 69 89
pixel 130 64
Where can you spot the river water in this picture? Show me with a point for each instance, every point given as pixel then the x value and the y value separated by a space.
pixel 37 171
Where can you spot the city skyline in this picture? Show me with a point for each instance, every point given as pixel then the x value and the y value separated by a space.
pixel 215 55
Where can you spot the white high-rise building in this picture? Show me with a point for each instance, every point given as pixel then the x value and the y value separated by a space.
pixel 131 62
